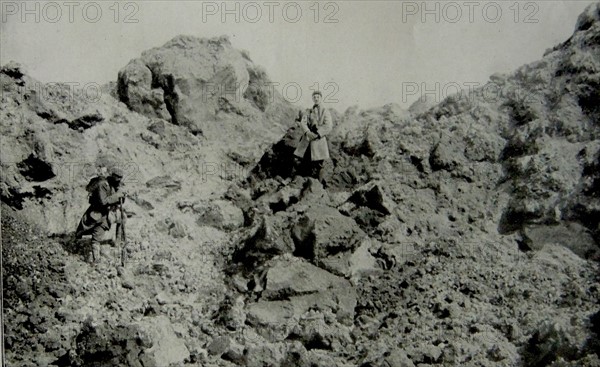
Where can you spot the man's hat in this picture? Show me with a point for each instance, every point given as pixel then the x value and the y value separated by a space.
pixel 116 172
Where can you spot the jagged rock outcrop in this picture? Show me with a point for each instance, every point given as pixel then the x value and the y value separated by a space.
pixel 293 287
pixel 198 83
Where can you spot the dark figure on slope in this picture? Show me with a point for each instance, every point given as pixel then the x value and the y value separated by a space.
pixel 104 196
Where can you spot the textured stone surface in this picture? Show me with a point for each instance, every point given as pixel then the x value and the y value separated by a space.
pixel 323 231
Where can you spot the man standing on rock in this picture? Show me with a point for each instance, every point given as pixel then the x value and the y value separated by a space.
pixel 316 123
pixel 103 197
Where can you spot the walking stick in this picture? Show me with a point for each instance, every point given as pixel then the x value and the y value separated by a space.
pixel 121 238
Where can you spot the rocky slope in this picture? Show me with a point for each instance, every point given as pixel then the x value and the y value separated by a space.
pixel 54 139
pixel 465 234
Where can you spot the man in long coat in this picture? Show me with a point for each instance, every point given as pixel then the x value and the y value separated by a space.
pixel 313 149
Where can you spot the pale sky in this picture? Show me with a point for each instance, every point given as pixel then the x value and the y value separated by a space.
pixel 365 53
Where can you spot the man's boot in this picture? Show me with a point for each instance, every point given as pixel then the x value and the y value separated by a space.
pixel 89 256
pixel 319 173
pixel 321 177
pixel 96 252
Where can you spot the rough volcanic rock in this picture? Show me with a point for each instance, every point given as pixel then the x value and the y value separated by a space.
pixel 589 18
pixel 221 214
pixel 279 159
pixel 293 287
pixel 371 195
pixel 270 237
pixel 13 69
pixel 446 154
pixel 553 340
pixel 468 229
pixel 352 264
pixel 460 179
pixel 46 165
pixel 323 231
pixel 186 74
pixel 264 354
pixel 151 342
pixel 573 236
pixel 272 319
pixel 197 83
pixel 290 194
pixel 294 278
pixel 135 90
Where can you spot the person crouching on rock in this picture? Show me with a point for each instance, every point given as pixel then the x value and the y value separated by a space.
pixel 316 123
pixel 103 197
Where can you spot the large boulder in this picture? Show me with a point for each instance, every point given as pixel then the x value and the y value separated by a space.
pixel 308 285
pixel 185 78
pixel 135 90
pixel 447 154
pixel 554 339
pixel 293 287
pixel 294 278
pixel 323 231
pixel 166 348
pixel 211 89
pixel 220 214
pixel 372 196
pixel 572 235
pixel 192 81
pixel 352 264
pixel 273 320
pixel 270 237
pixel 150 342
